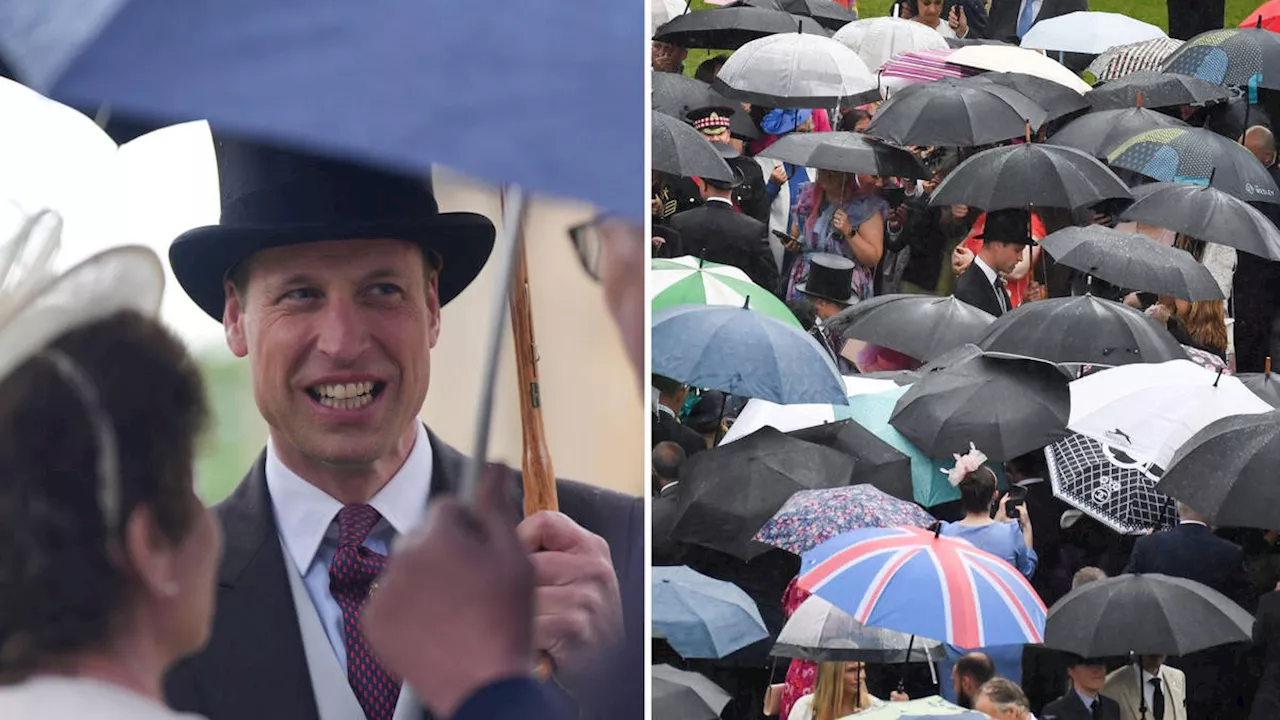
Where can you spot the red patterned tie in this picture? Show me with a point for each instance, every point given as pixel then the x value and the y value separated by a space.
pixel 350 577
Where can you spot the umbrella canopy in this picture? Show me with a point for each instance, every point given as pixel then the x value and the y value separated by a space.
pixel 1124 59
pixel 872 411
pixel 676 95
pixel 1266 16
pixel 728 493
pixel 1146 614
pixel 690 281
pixel 1134 261
pixel 1264 385
pixel 821 632
pixel 701 617
pixel 678 149
pixel 1029 175
pixel 1149 410
pixel 1089 33
pixel 729 28
pixel 1109 486
pixel 1056 100
pixel 848 152
pixel 1227 471
pixel 913 581
pixel 1083 330
pixel 1007 407
pixel 876 462
pixel 684 695
pixel 876 40
pixel 1206 213
pixel 793 71
pixel 954 113
pixel 761 413
pixel 1247 56
pixel 921 66
pixel 830 14
pixel 1154 89
pixel 744 353
pixel 921 326
pixel 812 517
pixel 927 707
pixel 1098 133
pixel 1011 58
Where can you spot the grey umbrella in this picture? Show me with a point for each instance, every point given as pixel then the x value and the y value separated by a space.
pixel 921 326
pixel 1149 88
pixel 1205 213
pixel 1132 261
pixel 1029 175
pixel 1098 133
pixel 729 28
pixel 676 95
pixel 822 632
pixel 1227 471
pixel 1083 330
pixel 683 695
pixel 955 112
pixel 830 14
pixel 678 149
pixel 1263 384
pixel 1056 99
pixel 847 152
pixel 793 70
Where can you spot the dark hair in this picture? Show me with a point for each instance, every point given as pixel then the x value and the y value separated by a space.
pixel 707 70
pixel 667 459
pixel 666 385
pixel 1032 464
pixel 803 310
pixel 706 414
pixel 977 667
pixel 849 122
pixel 977 489
pixel 62 586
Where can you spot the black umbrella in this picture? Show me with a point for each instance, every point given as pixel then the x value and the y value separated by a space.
pixel 684 695
pixel 1227 471
pixel 954 112
pixel 1132 261
pixel 1199 156
pixel 1030 175
pixel 1098 133
pixel 1108 485
pixel 921 326
pixel 1205 213
pixel 728 493
pixel 1263 385
pixel 1144 614
pixel 1083 330
pixel 729 28
pixel 829 14
pixel 1234 56
pixel 848 152
pixel 675 95
pixel 1152 89
pixel 678 149
pixel 1003 406
pixel 1056 99
pixel 876 462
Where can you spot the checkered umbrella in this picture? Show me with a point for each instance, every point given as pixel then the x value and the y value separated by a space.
pixel 1198 156
pixel 1124 59
pixel 1108 485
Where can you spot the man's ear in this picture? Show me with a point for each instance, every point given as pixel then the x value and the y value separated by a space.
pixel 433 308
pixel 233 320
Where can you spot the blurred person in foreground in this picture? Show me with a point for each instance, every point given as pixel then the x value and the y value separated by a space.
pixel 329 277
pixel 107 556
pixel 970 673
pixel 1001 699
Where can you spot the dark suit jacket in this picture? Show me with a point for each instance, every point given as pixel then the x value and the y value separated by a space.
pixel 972 287
pixel 665 550
pixel 514 700
pixel 1003 23
pixel 1071 707
pixel 1192 551
pixel 254 665
pixel 718 233
pixel 667 428
pixel 1266 633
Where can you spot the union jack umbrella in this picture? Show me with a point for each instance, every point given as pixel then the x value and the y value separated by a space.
pixel 913 581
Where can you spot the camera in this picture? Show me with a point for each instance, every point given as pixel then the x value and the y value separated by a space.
pixel 1017 496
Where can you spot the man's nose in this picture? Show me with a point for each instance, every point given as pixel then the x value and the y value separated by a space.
pixel 342 335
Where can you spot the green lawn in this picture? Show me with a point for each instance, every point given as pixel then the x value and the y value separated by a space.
pixel 236 432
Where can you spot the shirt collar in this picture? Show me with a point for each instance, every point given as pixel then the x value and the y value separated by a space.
pixel 726 201
pixel 664 409
pixel 1193 522
pixel 1088 701
pixel 304 512
pixel 1148 677
pixel 668 486
pixel 986 270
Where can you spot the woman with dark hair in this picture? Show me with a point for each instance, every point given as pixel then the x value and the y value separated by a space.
pixel 107 556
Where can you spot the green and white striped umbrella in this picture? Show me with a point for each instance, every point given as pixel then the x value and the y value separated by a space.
pixel 688 280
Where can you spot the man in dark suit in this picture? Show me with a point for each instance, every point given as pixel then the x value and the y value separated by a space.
pixel 1255 296
pixel 667 459
pixel 338 330
pixel 1005 236
pixel 1011 19
pixel 666 420
pixel 1084 701
pixel 1189 18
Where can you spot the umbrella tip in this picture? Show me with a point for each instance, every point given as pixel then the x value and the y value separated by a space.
pixel 746 302
pixel 936 527
pixel 1267 368
pixel 1215 380
pixel 1139 98
pixel 1259 25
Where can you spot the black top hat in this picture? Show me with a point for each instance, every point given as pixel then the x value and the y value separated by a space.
pixel 272 197
pixel 830 278
pixel 1008 226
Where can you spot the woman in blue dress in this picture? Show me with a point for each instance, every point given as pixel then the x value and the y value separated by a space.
pixel 1008 539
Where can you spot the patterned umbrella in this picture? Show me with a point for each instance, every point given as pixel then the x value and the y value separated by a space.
pixel 1124 59
pixel 812 517
pixel 1239 56
pixel 1199 156
pixel 1109 486
pixel 912 581
pixel 690 281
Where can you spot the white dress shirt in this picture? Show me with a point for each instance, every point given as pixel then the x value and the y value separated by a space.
pixel 1149 692
pixel 306 518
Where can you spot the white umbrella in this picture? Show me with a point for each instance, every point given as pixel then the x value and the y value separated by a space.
pixel 875 40
pixel 662 12
pixel 820 631
pixel 1091 33
pixel 794 70
pixel 1149 410
pixel 786 418
pixel 1008 58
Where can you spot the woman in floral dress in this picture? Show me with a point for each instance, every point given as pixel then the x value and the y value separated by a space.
pixel 852 227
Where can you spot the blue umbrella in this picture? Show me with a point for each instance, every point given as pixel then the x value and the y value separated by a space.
pixel 701 617
pixel 545 95
pixel 744 353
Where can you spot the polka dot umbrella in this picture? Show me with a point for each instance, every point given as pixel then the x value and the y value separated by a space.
pixel 1197 156
pixel 1238 56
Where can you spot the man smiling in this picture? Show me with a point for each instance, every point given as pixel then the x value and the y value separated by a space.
pixel 329 278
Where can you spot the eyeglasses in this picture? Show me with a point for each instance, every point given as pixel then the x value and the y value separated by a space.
pixel 592 238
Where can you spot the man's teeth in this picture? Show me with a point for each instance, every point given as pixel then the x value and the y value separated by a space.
pixel 345 396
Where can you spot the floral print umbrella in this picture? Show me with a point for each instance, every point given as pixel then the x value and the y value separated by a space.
pixel 811 517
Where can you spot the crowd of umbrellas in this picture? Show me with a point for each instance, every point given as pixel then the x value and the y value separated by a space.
pixel 838 470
